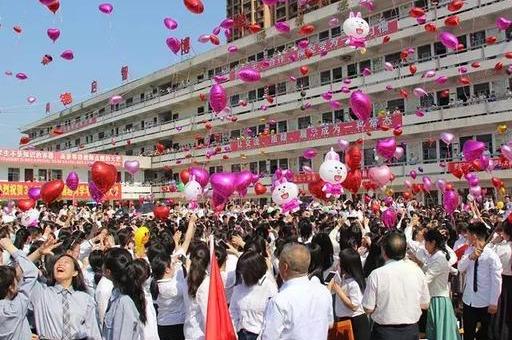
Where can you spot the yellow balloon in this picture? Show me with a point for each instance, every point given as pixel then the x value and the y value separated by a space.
pixel 502 191
pixel 502 128
pixel 389 192
pixel 500 205
pixel 362 50
pixel 140 239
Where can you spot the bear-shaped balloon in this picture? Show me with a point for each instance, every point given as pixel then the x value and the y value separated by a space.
pixel 333 172
pixel 356 29
pixel 193 190
pixel 285 195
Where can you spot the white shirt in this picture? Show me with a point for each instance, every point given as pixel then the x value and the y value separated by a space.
pixel 395 292
pixel 354 293
pixel 171 308
pixel 195 311
pixel 437 270
pixel 488 278
pixel 504 252
pixel 150 328
pixel 102 296
pixel 302 310
pixel 247 306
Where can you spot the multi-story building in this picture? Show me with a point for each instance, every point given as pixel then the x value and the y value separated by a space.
pixel 271 122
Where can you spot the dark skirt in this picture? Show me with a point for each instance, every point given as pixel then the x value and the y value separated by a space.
pixel 174 332
pixel 360 326
pixel 501 323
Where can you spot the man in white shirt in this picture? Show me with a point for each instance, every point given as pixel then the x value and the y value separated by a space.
pixel 483 268
pixel 396 293
pixel 302 310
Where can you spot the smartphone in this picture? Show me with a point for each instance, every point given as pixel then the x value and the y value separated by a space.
pixel 329 277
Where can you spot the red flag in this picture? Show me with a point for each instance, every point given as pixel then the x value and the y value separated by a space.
pixel 124 73
pixel 185 45
pixel 218 321
pixel 461 250
pixel 94 86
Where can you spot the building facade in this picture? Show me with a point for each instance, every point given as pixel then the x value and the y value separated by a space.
pixel 271 122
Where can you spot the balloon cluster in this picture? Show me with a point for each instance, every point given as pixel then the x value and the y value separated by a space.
pixel 225 184
pixel 333 172
pixel 195 185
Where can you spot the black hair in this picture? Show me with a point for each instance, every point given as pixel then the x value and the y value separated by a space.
pixel 77 282
pixel 250 268
pixel 326 250
pixel 305 229
pixel 434 235
pixel 21 238
pixel 7 277
pixel 221 254
pixel 350 263
pixel 394 245
pixel 124 277
pixel 199 261
pixel 96 263
pixel 125 237
pixel 351 237
pixel 257 244
pixel 479 229
pixel 158 266
pixel 315 265
pixel 507 228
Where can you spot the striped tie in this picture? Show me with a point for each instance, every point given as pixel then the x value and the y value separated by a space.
pixel 66 322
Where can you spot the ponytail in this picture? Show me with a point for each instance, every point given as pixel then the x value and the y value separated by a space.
pixel 199 261
pixel 158 266
pixel 434 235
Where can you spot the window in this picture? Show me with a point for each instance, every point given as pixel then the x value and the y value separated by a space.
pixel 42 175
pixel 477 38
pixel 261 93
pixel 281 88
pixel 396 104
pixel 252 95
pixel 77 142
pixel 508 33
pixel 282 126
pixel 393 58
pixel 303 82
pixel 56 174
pixel 304 122
pixel 283 163
pixel 463 93
pixel 337 73
pixel 439 49
pixel 235 134
pixel 369 157
pixel 338 116
pixel 365 64
pixel 481 89
pixel 441 99
pixel 13 174
pixel 429 150
pixel 390 14
pixel 463 41
pixel 424 52
pixel 445 151
pixel 352 70
pixel 303 162
pixel 253 167
pixel 128 152
pixel 129 101
pixel 335 31
pixel 273 165
pixel 487 139
pixel 324 35
pixel 200 109
pixel 420 3
pixel 325 77
pixel 235 167
pixel 427 101
pixel 327 118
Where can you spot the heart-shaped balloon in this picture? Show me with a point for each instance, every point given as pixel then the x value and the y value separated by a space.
pixel 315 189
pixel 389 218
pixel 447 137
pixel 381 175
pixel 473 149
pixel 103 175
pixel 161 212
pixel 260 189
pixel 242 180
pixel 53 33
pixel 386 147
pixel 50 191
pixel 174 44
pixel 343 144
pixel 202 176
pixel 353 181
pixel 34 193
pixel 26 204
pixel 223 183
pixel 506 151
pixel 132 167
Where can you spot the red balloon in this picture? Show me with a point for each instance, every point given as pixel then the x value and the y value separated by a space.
pixel 161 212
pixel 430 27
pixel 508 55
pixel 413 69
pixel 315 189
pixel 184 176
pixel 496 182
pixel 353 157
pixel 375 207
pixel 490 40
pixel 448 187
pixel 307 29
pixel 26 204
pixel 54 6
pixel 304 70
pixel 24 140
pixel 194 6
pixel 455 5
pixel 104 176
pixel 50 191
pixel 452 21
pixel 457 172
pixel 254 28
pixel 407 195
pixel 416 12
pixel 260 189
pixel 353 181
pixel 160 147
pixel 214 39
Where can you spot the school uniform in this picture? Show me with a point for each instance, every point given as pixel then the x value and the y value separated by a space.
pixel 122 319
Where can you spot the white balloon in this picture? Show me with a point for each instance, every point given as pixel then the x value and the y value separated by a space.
pixel 192 190
pixel 356 27
pixel 285 192
pixel 332 170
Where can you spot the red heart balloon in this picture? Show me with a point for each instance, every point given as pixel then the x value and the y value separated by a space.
pixel 304 70
pixel 50 191
pixel 160 147
pixel 260 189
pixel 413 69
pixel 455 5
pixel 407 195
pixel 496 182
pixel 353 181
pixel 457 172
pixel 254 28
pixel 161 212
pixel 315 189
pixel 54 6
pixel 26 204
pixel 104 176
pixel 430 27
pixel 308 53
pixel 386 39
pixel 184 176
pixel 194 6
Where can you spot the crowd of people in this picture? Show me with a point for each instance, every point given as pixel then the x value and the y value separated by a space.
pixel 83 273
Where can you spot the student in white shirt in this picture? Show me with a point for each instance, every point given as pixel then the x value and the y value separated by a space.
pixel 396 293
pixel 302 310
pixel 441 320
pixel 143 271
pixel 349 294
pixel 253 289
pixel 501 323
pixel 483 282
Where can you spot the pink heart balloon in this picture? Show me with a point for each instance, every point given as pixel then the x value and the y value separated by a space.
pixel 343 144
pixel 506 151
pixel 381 175
pixel 68 55
pixel 386 147
pixel 53 34
pixel 174 44
pixel 132 167
pixel 170 23
pixel 473 149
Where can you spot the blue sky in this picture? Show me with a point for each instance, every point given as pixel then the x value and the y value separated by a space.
pixel 132 35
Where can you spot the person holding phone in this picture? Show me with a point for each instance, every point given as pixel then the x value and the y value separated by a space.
pixel 349 293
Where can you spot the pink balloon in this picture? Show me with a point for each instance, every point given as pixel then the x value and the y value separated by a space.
pixel 232 49
pixel 361 105
pixel 269 2
pixel 381 175
pixel 345 89
pixel 310 153
pixel 216 30
pixel 106 8
pixel 447 137
pixel 303 43
pixel 399 153
pixel 204 38
pixel 34 193
pixel 170 23
pixel 388 201
pixel 21 76
pixel 46 2
pixel 449 40
pixel 67 55
pixel 327 95
pixel 388 66
pixel 472 150
pixel 72 181
pixel 227 23
pixel 506 151
pixel 407 183
pixel 366 72
pixel 389 218
pixel 95 193
pixel 427 183
pixel 333 22
pixel 450 201
pixel 282 27
pixel 132 167
pixel 413 174
pixel 503 23
pixel 218 98
pixel 335 105
pixel 476 192
pixel 249 75
pixel 441 80
pixel 429 74
pixel 343 144
pixel 114 100
pixel 53 34
pixel 441 184
pixel 31 99
pixel 386 147
pixel 174 44
pixel 242 181
pixel 223 184
pixel 307 168
pixel 419 92
pixel 201 174
pixel 473 181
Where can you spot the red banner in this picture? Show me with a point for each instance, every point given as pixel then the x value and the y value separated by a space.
pixel 19 190
pixel 56 158
pixel 328 131
pixel 379 30
pixel 79 125
pixel 500 163
pixel 305 177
